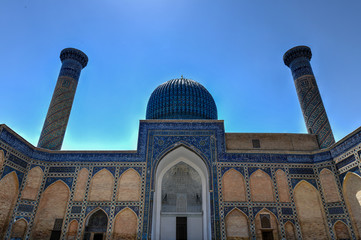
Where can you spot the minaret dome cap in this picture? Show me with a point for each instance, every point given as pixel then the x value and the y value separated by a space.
pixel 296 52
pixel 75 54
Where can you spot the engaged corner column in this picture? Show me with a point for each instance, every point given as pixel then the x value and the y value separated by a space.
pixel 52 135
pixel 314 113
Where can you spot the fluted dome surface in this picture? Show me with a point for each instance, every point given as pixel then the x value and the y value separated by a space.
pixel 181 99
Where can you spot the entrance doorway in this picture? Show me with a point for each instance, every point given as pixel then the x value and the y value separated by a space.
pixel 181 205
pixel 96 226
pixel 181 229
pixel 267 235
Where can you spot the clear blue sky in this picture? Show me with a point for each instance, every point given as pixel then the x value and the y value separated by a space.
pixel 233 48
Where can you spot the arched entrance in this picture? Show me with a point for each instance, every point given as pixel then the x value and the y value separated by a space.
pixel 96 226
pixel 181 209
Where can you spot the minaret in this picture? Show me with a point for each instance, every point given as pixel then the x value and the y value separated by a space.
pixel 314 113
pixel 52 135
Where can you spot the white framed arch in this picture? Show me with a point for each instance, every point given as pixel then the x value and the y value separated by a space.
pixel 181 154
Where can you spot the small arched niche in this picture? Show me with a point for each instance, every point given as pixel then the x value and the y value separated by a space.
pixel 266 225
pixel 181 197
pixel 72 230
pixel 96 226
pixel 341 230
pixel 19 229
pixel 237 226
pixel 290 231
pixel 125 225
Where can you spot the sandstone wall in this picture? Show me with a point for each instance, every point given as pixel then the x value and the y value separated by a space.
pixel 271 141
pixel 233 186
pixel 33 182
pixel 101 186
pixel 125 225
pixel 81 184
pixel 352 194
pixel 72 230
pixel 19 229
pixel 290 231
pixel 237 225
pixel 52 206
pixel 129 186
pixel 9 186
pixel 329 186
pixel 310 212
pixel 261 187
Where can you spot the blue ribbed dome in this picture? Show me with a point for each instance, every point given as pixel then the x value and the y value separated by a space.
pixel 181 99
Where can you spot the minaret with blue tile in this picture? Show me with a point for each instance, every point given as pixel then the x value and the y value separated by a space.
pixel 52 135
pixel 314 113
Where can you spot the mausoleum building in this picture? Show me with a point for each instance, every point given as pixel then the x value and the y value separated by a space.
pixel 188 179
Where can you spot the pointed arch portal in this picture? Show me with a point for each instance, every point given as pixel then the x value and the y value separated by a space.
pixel 181 207
pixel 96 226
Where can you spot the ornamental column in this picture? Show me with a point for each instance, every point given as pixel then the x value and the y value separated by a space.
pixel 52 135
pixel 314 113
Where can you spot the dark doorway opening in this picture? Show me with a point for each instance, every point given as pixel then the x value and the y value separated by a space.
pixel 181 229
pixel 98 236
pixel 55 235
pixel 267 235
pixel 56 232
